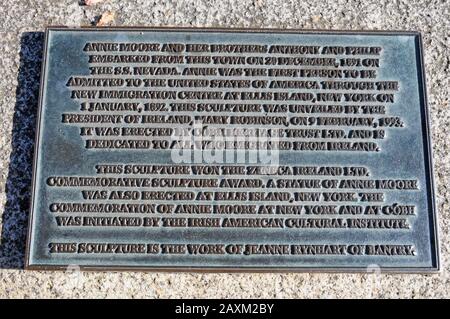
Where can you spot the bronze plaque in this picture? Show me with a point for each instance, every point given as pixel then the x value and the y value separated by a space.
pixel 233 149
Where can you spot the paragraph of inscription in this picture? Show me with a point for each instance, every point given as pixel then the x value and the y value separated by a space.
pixel 217 98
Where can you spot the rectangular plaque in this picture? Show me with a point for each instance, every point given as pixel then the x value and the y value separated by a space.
pixel 238 149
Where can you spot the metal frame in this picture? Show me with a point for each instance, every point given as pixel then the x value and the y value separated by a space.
pixel 427 153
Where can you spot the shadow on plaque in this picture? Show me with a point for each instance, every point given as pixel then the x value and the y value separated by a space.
pixel 18 183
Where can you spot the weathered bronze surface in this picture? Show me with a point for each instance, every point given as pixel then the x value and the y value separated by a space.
pixel 225 150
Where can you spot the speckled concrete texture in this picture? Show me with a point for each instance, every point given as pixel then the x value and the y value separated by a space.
pixel 21 26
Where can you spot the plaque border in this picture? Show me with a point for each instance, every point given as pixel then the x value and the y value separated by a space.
pixel 427 140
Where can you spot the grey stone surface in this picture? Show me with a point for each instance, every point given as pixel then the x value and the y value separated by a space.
pixel 21 40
